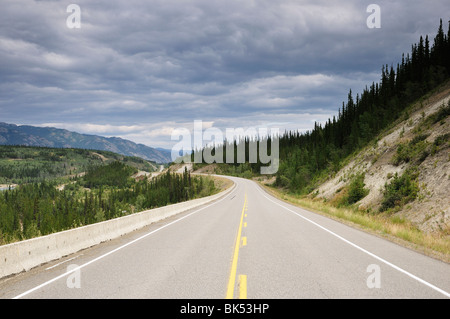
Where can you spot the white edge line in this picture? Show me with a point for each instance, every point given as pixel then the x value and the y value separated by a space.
pixel 362 249
pixel 116 249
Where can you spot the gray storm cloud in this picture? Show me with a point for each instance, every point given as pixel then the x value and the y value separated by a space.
pixel 144 64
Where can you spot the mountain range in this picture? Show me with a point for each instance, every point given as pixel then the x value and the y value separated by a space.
pixel 11 134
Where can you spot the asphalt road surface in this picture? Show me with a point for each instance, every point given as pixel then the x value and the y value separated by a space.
pixel 247 244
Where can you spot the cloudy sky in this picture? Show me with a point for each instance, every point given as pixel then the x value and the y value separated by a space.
pixel 139 69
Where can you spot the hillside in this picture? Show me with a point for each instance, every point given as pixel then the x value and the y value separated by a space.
pixel 25 164
pixel 11 134
pixel 107 189
pixel 416 146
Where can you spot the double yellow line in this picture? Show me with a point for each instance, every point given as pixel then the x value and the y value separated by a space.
pixel 242 278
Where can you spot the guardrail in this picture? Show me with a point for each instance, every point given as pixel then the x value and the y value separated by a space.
pixel 24 255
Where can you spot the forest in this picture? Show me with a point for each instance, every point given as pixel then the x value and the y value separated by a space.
pixel 27 164
pixel 306 158
pixel 106 191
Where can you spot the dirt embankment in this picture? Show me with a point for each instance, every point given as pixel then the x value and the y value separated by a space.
pixel 430 211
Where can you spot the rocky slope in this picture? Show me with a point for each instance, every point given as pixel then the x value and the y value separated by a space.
pixel 420 140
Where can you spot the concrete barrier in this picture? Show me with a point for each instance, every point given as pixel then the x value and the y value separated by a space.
pixel 24 255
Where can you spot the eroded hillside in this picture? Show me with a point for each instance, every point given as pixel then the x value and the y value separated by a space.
pixel 412 161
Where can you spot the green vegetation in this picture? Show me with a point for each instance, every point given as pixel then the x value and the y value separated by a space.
pixel 401 189
pixel 350 194
pixel 241 170
pixel 114 174
pixel 357 190
pixel 416 150
pixel 442 114
pixel 41 205
pixel 24 164
pixel 40 208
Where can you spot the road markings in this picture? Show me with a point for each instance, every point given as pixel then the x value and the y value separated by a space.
pixel 118 248
pixel 445 293
pixel 232 279
pixel 244 241
pixel 242 287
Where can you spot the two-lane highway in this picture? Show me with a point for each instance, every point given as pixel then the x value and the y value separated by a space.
pixel 247 244
pixel 293 253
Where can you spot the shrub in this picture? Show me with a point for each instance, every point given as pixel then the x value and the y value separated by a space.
pixel 401 189
pixel 442 114
pixel 282 181
pixel 441 139
pixel 415 150
pixel 356 190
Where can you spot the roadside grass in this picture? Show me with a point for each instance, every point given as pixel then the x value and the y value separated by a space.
pixel 393 228
pixel 221 183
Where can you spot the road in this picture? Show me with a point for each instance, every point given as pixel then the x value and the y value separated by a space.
pixel 247 244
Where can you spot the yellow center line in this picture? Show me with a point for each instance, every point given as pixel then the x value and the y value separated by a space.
pixel 242 287
pixel 232 279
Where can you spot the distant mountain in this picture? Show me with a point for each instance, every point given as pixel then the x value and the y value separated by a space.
pixel 11 134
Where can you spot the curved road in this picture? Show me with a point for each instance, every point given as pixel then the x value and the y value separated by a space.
pixel 248 244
